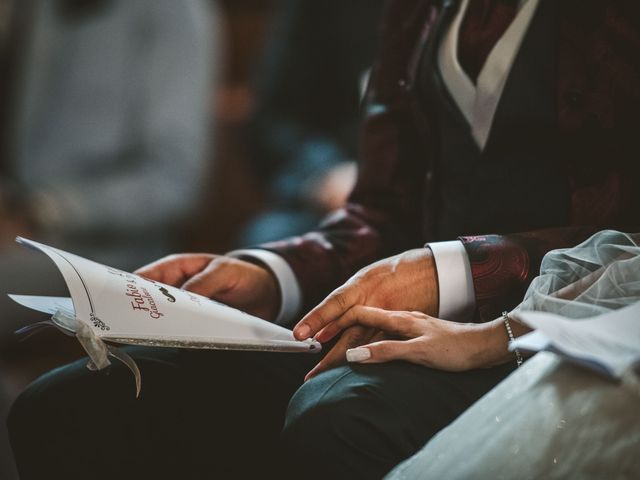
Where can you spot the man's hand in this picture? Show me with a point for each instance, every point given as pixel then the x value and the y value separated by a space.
pixel 407 281
pixel 237 283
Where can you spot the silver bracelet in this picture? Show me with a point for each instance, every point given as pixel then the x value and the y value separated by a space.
pixel 505 319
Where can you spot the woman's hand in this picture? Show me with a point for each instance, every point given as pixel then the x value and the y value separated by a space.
pixel 416 338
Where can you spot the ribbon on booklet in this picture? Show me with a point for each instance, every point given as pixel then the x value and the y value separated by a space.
pixel 97 350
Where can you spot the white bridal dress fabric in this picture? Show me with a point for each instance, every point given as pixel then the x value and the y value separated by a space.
pixel 551 419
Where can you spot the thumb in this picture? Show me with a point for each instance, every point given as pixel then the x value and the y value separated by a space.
pixel 380 352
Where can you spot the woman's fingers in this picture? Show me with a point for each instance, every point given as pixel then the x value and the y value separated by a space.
pixel 354 336
pixel 384 351
pixel 398 324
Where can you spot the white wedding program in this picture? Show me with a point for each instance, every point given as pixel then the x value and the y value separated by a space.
pixel 122 307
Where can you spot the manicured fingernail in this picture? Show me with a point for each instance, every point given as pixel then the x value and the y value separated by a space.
pixel 304 332
pixel 358 354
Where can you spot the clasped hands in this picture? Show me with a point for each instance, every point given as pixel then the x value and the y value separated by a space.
pixel 384 312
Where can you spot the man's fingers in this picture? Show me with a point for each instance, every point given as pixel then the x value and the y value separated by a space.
pixel 353 337
pixel 399 324
pixel 175 269
pixel 211 282
pixel 327 311
pixel 380 352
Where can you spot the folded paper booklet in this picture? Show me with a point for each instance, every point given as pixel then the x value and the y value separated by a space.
pixel 111 305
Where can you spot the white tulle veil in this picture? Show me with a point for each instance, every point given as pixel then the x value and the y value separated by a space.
pixel 597 276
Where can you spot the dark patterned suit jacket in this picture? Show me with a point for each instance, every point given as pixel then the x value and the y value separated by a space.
pixel 598 106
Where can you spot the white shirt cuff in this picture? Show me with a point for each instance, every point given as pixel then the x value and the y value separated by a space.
pixel 457 297
pixel 290 293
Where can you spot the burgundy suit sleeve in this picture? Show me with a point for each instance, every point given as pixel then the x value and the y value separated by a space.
pixel 503 266
pixel 384 213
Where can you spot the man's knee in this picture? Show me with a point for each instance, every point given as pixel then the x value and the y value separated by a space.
pixel 314 409
pixel 43 403
pixel 19 414
pixel 337 419
pixel 34 423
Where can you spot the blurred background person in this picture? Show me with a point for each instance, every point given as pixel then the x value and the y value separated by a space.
pixel 303 132
pixel 105 129
pixel 105 148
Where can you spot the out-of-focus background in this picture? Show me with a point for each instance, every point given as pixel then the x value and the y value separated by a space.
pixel 130 129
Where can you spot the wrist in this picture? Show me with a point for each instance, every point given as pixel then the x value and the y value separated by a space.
pixel 420 269
pixel 491 344
pixel 488 344
pixel 271 295
pixel 432 288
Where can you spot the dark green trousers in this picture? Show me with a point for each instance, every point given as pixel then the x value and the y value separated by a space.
pixel 213 414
